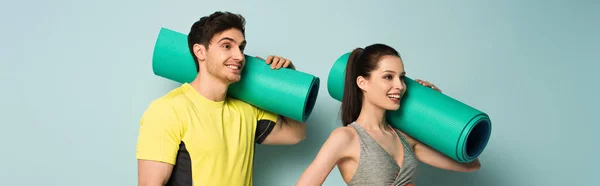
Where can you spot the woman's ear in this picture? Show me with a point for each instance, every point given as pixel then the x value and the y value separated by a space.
pixel 362 83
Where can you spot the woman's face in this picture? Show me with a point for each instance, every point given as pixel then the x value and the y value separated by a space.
pixel 385 86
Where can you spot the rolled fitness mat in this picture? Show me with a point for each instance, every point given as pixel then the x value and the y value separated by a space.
pixel 286 92
pixel 445 124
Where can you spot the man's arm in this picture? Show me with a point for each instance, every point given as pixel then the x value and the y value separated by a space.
pixel 285 131
pixel 157 145
pixel 153 173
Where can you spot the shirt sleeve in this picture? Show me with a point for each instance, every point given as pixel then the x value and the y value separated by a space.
pixel 160 133
pixel 265 122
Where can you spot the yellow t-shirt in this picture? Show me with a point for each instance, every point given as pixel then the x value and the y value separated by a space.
pixel 209 143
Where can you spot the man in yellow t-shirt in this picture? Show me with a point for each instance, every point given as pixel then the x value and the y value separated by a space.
pixel 196 134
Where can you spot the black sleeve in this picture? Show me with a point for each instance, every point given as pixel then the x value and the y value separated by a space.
pixel 263 128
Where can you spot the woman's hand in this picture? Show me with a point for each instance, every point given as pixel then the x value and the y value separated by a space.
pixel 428 84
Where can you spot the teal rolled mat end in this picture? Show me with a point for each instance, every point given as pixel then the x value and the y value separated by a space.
pixel 445 124
pixel 286 92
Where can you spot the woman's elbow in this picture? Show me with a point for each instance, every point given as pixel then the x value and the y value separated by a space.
pixel 473 166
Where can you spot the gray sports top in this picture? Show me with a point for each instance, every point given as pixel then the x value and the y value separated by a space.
pixel 377 167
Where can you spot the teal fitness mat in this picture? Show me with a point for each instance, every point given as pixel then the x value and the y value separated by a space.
pixel 285 91
pixel 435 119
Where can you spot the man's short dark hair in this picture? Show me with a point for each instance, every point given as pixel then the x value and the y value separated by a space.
pixel 203 30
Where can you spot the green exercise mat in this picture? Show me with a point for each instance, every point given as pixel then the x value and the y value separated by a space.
pixel 286 92
pixel 435 119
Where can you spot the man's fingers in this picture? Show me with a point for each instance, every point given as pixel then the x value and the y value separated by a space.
pixel 287 63
pixel 280 63
pixel 269 59
pixel 275 62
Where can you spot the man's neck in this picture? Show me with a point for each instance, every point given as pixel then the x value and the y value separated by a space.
pixel 210 87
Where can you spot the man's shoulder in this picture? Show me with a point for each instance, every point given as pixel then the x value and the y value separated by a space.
pixel 175 94
pixel 231 101
pixel 173 99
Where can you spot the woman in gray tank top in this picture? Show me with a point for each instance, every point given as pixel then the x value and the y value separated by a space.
pixel 367 150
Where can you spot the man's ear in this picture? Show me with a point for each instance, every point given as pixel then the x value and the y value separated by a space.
pixel 200 52
pixel 362 83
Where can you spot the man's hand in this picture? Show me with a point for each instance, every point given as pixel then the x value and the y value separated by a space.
pixel 277 62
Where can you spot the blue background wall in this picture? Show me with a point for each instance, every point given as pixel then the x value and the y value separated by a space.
pixel 76 77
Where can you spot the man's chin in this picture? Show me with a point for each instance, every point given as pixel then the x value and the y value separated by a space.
pixel 234 79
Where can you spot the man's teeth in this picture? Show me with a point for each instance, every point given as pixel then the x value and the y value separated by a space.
pixel 233 67
pixel 394 96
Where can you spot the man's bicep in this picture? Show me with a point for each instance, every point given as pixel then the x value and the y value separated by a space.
pixel 264 127
pixel 284 131
pixel 266 122
pixel 151 173
pixel 274 129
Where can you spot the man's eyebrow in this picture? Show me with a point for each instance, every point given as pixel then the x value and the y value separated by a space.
pixel 226 38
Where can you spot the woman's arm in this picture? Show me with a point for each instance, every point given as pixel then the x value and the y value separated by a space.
pixel 434 158
pixel 335 148
pixel 437 159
